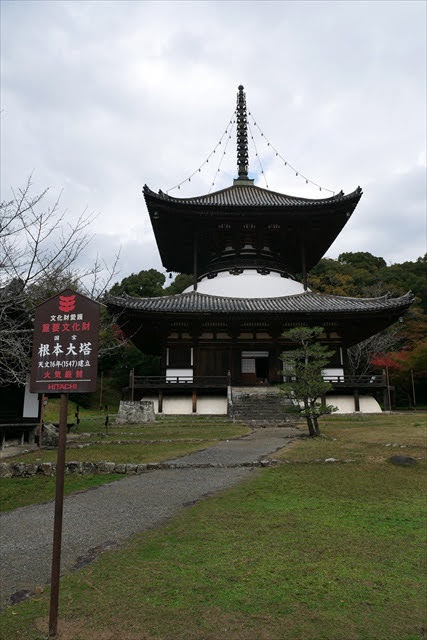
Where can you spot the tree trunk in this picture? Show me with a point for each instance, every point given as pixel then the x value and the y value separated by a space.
pixel 311 429
pixel 316 426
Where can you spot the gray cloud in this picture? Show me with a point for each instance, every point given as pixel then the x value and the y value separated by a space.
pixel 101 97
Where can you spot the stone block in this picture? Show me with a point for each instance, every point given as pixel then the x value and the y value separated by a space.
pixel 74 466
pixel 131 469
pixel 50 436
pixel 46 468
pixel 5 470
pixel 120 468
pixel 405 461
pixel 135 412
pixel 88 467
pixel 31 469
pixel 141 468
pixel 18 469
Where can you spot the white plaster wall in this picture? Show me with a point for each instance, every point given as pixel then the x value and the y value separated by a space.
pixel 187 374
pixel 345 404
pixel 31 403
pixel 332 373
pixel 214 405
pixel 368 404
pixel 155 401
pixel 177 405
pixel 248 284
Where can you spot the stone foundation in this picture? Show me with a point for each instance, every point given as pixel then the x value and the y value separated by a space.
pixel 25 469
pixel 135 412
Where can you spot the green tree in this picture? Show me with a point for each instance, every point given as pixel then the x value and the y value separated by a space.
pixel 362 260
pixel 304 384
pixel 181 282
pixel 145 284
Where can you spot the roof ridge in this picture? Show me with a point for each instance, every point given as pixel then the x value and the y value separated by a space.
pixel 409 295
pixel 293 200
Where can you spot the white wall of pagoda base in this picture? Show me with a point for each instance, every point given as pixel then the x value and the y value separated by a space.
pixel 212 405
pixel 217 405
pixel 182 405
pixel 345 404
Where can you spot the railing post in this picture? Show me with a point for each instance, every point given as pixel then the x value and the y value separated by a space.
pixel 356 400
pixel 229 396
pixel 132 385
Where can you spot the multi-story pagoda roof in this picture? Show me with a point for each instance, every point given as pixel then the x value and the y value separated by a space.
pixel 245 225
pixel 358 318
pixel 245 230
pixel 245 246
pixel 228 200
pixel 281 221
pixel 307 302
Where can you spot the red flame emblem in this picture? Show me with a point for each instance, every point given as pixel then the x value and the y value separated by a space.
pixel 67 303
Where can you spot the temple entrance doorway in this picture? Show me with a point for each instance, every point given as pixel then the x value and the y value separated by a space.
pixel 261 369
pixel 255 367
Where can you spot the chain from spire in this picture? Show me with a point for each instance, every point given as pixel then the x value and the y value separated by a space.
pixel 226 134
pixel 286 163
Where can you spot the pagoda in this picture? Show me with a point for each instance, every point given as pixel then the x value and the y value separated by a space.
pixel 245 246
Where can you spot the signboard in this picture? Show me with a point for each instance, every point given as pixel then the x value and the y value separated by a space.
pixel 65 345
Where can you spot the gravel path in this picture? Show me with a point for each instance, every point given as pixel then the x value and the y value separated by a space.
pixel 107 515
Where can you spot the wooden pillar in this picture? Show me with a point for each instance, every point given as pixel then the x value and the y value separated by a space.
pixel 385 400
pixel 356 400
pixel 194 401
pixel 22 437
pixel 303 264
pixel 413 388
pixel 388 389
pixel 160 404
pixel 3 439
pixel 236 371
pixel 195 248
pixel 323 401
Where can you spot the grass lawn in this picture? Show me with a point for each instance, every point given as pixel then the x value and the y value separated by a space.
pixel 139 453
pixel 364 438
pixel 166 429
pixel 302 551
pixel 20 492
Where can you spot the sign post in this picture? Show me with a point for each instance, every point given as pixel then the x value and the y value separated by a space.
pixel 57 523
pixel 64 360
pixel 41 420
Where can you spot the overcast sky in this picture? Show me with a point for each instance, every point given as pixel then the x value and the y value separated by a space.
pixel 99 98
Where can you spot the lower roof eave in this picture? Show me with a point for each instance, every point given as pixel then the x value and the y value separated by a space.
pixel 301 304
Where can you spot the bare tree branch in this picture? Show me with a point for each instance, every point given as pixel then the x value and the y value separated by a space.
pixel 39 250
pixel 361 354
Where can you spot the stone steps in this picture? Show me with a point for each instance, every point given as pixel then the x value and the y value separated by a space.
pixel 266 407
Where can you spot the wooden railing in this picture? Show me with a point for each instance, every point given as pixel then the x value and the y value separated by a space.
pixel 158 382
pixel 195 381
pixel 352 381
pixel 356 380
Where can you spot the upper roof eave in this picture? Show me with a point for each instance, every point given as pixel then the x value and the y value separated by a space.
pixel 249 196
